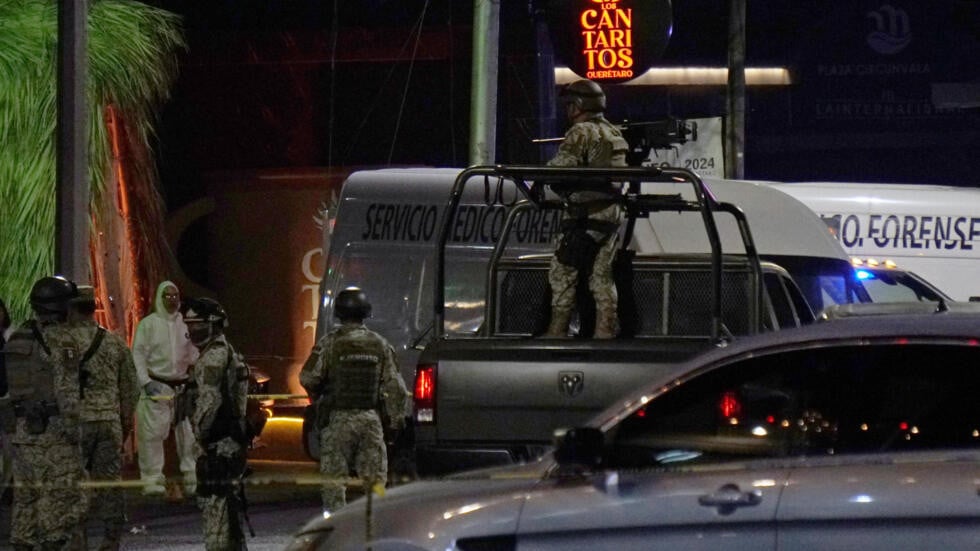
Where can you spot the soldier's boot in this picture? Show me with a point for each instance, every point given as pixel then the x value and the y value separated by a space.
pixel 559 323
pixel 606 324
pixel 111 537
pixel 23 547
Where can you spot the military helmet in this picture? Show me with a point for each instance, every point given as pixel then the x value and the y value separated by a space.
pixel 51 294
pixel 585 94
pixel 351 304
pixel 204 310
pixel 84 301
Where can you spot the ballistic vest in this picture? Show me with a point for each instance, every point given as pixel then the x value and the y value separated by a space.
pixel 354 376
pixel 612 150
pixel 236 384
pixel 30 374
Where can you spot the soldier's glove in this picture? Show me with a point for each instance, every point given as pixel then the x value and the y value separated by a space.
pixel 155 388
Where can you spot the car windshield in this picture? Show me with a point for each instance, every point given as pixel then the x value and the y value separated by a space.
pixel 814 402
pixel 885 285
pixel 824 282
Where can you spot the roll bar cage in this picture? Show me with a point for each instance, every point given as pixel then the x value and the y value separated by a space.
pixel 635 203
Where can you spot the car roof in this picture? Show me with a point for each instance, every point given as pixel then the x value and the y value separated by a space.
pixel 948 325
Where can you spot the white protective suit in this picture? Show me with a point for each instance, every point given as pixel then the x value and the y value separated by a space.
pixel 162 354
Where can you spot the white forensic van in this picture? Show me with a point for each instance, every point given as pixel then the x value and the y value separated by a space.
pixel 933 231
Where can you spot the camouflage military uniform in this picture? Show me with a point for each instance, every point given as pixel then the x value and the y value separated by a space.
pixel 592 143
pixel 355 376
pixel 109 393
pixel 49 505
pixel 223 509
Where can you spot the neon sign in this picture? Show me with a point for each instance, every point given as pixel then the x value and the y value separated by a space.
pixel 611 40
pixel 607 34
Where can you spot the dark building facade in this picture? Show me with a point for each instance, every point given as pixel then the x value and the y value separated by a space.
pixel 880 90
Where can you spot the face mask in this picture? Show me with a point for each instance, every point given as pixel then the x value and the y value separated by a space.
pixel 199 333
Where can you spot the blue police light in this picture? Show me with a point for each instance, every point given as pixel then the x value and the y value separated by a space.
pixel 864 274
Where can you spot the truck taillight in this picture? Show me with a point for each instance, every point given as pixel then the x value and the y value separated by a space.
pixel 425 394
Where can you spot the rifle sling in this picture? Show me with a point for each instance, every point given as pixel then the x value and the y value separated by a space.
pixel 92 349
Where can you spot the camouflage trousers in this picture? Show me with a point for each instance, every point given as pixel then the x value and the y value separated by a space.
pixel 563 279
pixel 353 439
pixel 222 523
pixel 102 457
pixel 223 512
pixel 49 505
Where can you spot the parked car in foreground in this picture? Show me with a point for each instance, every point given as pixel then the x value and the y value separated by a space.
pixel 863 433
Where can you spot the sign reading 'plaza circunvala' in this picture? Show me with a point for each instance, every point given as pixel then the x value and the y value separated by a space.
pixel 609 40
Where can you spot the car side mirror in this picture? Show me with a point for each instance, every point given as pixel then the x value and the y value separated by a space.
pixel 579 449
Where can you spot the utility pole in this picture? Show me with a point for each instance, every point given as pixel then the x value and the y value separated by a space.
pixel 72 200
pixel 483 96
pixel 735 127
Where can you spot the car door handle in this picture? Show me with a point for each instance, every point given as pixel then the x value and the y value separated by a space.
pixel 729 497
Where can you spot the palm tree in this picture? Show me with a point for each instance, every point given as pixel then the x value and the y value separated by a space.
pixel 133 54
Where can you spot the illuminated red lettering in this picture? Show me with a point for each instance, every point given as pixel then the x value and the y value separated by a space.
pixel 608 38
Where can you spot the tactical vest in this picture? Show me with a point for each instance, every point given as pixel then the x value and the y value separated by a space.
pixel 612 151
pixel 354 378
pixel 236 384
pixel 30 378
pixel 230 418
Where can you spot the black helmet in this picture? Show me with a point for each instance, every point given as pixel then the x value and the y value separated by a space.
pixel 84 301
pixel 204 310
pixel 351 304
pixel 586 94
pixel 51 294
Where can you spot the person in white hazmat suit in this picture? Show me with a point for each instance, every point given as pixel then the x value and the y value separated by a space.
pixel 163 355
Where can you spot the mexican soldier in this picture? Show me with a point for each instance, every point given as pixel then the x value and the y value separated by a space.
pixel 219 425
pixel 108 391
pixel 592 215
pixel 41 410
pixel 351 375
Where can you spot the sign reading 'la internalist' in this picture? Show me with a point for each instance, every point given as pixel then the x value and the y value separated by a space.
pixel 609 40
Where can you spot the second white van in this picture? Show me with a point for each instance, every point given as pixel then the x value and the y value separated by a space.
pixel 933 231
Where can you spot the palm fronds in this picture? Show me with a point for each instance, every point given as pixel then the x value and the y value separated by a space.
pixel 132 64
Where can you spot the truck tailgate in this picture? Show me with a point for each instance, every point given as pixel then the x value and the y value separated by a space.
pixel 521 390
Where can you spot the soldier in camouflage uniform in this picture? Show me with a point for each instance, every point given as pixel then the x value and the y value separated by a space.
pixel 219 425
pixel 351 375
pixel 108 402
pixel 595 213
pixel 41 411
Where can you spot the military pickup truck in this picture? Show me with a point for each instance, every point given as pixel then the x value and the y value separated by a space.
pixel 690 276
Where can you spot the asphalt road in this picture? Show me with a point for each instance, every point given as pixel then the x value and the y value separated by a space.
pixel 282 496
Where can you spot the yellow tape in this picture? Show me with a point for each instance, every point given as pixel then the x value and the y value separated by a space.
pixel 164 398
pixel 277 396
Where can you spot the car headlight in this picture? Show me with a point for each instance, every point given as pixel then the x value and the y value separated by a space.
pixel 309 541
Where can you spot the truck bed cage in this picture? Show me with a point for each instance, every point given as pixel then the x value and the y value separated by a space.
pixel 528 180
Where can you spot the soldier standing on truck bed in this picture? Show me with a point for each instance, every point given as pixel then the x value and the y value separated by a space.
pixel 353 378
pixel 593 212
